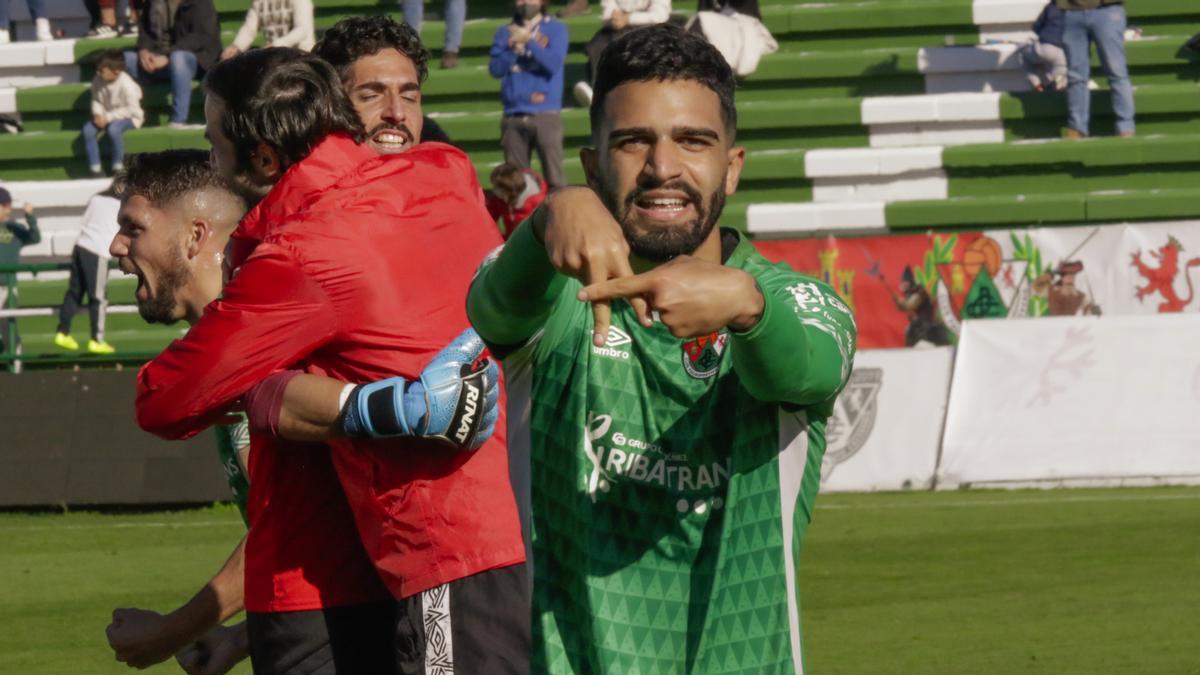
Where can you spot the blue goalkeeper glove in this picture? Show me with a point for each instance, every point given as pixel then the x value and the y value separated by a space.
pixel 456 399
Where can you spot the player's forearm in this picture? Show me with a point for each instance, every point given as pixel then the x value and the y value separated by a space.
pixel 311 409
pixel 782 360
pixel 222 597
pixel 512 296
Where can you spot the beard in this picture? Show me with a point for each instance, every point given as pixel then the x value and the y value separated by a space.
pixel 160 308
pixel 662 243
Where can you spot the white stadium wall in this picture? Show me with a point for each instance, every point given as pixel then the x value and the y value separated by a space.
pixel 1075 401
pixel 887 424
pixel 1043 403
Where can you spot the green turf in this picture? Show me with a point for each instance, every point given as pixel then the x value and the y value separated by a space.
pixel 1072 582
pixel 1062 583
pixel 63 576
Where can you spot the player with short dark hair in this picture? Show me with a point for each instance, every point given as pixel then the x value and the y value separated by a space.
pixel 354 264
pixel 676 428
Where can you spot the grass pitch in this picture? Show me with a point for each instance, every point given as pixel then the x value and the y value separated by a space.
pixel 1061 583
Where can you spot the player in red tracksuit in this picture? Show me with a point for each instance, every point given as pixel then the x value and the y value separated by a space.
pixel 355 267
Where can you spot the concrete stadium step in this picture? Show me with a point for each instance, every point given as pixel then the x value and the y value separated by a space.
pixel 806 220
pixel 1023 167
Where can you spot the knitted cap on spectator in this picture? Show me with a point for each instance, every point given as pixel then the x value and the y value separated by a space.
pixel 5 197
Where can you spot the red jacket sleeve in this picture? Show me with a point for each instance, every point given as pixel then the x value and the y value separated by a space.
pixel 271 316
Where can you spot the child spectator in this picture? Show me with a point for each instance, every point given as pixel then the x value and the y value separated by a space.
pixel 284 23
pixel 13 237
pixel 515 193
pixel 116 108
pixel 89 273
pixel 1043 57
pixel 528 56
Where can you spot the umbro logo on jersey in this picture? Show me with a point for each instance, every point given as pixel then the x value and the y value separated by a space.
pixel 616 338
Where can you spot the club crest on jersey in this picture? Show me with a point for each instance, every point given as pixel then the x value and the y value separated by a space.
pixel 702 356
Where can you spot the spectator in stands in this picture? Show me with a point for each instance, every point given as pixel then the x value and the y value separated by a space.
pixel 89 272
pixel 515 193
pixel 619 16
pixel 37 10
pixel 116 108
pixel 528 56
pixel 177 42
pixel 1102 22
pixel 13 237
pixel 747 7
pixel 1043 57
pixel 736 29
pixel 574 8
pixel 455 12
pixel 283 23
pixel 105 15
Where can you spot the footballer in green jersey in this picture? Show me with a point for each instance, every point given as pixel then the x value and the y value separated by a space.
pixel 670 386
pixel 233 444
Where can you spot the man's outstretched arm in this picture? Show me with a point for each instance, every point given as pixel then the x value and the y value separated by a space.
pixel 792 339
pixel 454 400
pixel 801 349
pixel 271 316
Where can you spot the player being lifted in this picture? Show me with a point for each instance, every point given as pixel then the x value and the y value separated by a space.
pixel 176 218
pixel 676 387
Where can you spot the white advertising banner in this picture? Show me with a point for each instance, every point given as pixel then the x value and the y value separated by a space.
pixel 886 425
pixel 1073 401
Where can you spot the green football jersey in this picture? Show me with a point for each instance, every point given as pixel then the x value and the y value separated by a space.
pixel 232 439
pixel 667 502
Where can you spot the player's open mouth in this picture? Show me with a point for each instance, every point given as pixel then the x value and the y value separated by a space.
pixel 665 206
pixel 391 140
pixel 142 294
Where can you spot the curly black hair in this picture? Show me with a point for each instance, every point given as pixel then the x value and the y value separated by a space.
pixel 163 177
pixel 355 37
pixel 663 53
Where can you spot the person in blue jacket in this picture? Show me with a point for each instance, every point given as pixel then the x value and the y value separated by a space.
pixel 528 56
